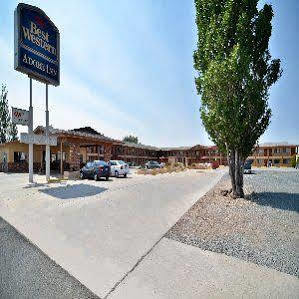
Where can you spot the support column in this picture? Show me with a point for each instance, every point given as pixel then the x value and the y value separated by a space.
pixel 30 132
pixel 61 159
pixel 47 138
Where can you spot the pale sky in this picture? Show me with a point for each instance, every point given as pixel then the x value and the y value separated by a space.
pixel 126 68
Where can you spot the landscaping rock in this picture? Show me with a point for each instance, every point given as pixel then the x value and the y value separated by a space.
pixel 261 228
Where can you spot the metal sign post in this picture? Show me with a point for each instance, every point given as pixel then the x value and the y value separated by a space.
pixel 37 54
pixel 47 138
pixel 30 132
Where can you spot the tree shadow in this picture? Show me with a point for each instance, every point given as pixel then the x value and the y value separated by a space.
pixel 250 173
pixel 277 200
pixel 73 191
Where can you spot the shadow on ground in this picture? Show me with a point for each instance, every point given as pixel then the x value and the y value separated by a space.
pixel 277 200
pixel 73 191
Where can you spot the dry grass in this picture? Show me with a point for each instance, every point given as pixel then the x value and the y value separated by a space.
pixel 176 167
pixel 200 166
pixel 58 180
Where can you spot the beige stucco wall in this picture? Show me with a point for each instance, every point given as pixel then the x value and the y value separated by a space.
pixel 22 147
pixel 10 148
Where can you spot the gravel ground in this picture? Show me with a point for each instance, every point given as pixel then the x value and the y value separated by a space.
pixel 26 272
pixel 262 228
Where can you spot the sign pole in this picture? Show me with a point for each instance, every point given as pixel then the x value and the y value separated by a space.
pixel 37 54
pixel 30 132
pixel 47 138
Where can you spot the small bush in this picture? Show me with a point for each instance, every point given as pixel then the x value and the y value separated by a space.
pixel 154 171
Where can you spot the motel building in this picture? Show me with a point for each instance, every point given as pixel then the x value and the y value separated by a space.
pixel 74 148
pixel 77 146
pixel 275 154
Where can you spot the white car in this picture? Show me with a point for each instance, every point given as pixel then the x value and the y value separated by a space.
pixel 118 167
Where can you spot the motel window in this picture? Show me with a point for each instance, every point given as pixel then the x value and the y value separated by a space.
pixel 53 157
pixel 286 161
pixel 276 161
pixel 20 156
pixel 101 149
pixel 259 161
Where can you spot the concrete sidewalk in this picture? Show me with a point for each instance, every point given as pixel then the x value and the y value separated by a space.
pixel 176 270
pixel 100 234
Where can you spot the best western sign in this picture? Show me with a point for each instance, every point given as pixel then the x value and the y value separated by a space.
pixel 36 45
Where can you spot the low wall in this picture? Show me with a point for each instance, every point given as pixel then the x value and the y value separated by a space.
pixel 19 167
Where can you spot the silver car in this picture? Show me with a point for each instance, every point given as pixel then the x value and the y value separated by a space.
pixel 119 168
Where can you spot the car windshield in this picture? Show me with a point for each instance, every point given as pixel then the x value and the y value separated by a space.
pixel 100 163
pixel 121 162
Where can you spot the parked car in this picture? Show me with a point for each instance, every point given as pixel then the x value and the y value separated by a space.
pixel 247 167
pixel 152 164
pixel 118 167
pixel 95 170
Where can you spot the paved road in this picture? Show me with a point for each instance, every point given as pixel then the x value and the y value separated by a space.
pixel 26 272
pixel 99 231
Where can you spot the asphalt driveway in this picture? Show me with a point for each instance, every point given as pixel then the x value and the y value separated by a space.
pixel 26 272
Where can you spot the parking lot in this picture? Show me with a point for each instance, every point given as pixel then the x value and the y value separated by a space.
pixel 99 230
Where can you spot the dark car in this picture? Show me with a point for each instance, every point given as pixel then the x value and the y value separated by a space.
pixel 152 164
pixel 95 170
pixel 247 166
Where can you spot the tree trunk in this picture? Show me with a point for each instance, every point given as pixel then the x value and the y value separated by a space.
pixel 231 165
pixel 239 175
pixel 235 163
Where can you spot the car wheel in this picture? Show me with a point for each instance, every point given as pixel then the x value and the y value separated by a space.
pixel 116 174
pixel 125 175
pixel 96 178
pixel 82 176
pixel 107 178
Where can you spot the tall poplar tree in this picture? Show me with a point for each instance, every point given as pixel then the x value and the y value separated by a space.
pixel 235 72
